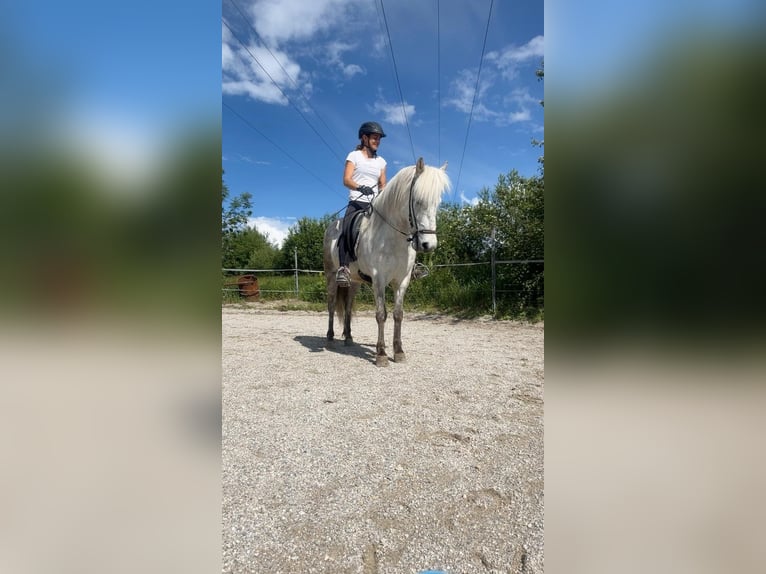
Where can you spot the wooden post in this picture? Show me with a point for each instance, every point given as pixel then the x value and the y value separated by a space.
pixel 494 290
pixel 296 271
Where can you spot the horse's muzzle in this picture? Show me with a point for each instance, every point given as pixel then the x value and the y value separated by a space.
pixel 425 241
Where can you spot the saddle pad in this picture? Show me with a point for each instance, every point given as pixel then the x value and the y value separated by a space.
pixel 352 233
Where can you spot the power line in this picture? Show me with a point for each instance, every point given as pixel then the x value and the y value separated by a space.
pixel 438 84
pixel 264 136
pixel 475 94
pixel 398 84
pixel 282 91
pixel 295 83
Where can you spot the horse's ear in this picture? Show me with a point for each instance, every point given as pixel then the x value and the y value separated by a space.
pixel 444 167
pixel 420 166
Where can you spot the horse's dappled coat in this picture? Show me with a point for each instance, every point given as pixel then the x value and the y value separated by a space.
pixel 402 222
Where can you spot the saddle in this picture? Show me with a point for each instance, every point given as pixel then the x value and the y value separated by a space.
pixel 350 232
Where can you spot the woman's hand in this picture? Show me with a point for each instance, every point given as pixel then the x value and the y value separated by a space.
pixel 365 190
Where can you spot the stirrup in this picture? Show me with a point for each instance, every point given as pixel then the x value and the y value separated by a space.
pixel 419 271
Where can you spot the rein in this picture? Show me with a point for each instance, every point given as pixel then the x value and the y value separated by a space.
pixel 412 218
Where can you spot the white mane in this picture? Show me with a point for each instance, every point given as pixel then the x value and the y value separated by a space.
pixel 429 187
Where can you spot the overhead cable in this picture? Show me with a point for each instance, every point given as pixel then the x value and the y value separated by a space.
pixel 398 84
pixel 475 94
pixel 438 84
pixel 282 92
pixel 264 136
pixel 295 83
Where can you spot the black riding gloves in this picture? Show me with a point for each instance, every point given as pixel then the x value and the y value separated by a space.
pixel 365 190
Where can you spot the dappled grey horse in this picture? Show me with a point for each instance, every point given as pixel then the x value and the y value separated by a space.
pixel 400 224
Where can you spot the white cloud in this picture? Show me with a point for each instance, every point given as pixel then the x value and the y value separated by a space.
pixel 471 201
pixel 250 160
pixel 462 92
pixel 524 103
pixel 521 97
pixel 509 59
pixel 285 31
pixel 262 92
pixel 259 72
pixel 393 113
pixel 273 65
pixel 273 228
pixel 463 95
pixel 334 52
pixel 279 21
pixel 351 70
pixel 522 115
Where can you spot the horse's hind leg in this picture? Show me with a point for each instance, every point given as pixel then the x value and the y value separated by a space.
pixel 348 340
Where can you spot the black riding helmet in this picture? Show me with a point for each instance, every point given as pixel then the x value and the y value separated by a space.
pixel 368 128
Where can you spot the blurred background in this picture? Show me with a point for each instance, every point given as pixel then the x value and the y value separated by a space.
pixel 110 159
pixel 654 272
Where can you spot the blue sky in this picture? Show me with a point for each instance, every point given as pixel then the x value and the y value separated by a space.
pixel 298 78
pixel 122 80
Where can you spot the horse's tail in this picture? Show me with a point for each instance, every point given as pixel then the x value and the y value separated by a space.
pixel 341 298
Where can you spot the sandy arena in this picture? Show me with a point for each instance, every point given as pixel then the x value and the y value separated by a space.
pixel 333 465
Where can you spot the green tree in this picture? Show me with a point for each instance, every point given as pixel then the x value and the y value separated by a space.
pixel 513 213
pixel 517 212
pixel 515 209
pixel 234 216
pixel 540 73
pixel 249 249
pixel 307 236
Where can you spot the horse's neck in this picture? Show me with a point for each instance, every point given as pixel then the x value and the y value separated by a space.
pixel 383 228
pixel 387 215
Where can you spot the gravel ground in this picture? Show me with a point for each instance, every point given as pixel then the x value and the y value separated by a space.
pixel 333 465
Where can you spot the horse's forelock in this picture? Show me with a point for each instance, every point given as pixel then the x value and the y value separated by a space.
pixel 431 184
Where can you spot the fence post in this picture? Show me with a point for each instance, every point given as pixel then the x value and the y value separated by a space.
pixel 494 289
pixel 296 271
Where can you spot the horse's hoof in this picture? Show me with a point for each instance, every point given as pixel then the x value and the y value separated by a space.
pixel 381 360
pixel 348 342
pixel 400 358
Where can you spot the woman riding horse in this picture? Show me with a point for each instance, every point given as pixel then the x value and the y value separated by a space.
pixel 401 224
pixel 364 171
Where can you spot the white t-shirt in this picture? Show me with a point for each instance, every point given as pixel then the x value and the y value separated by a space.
pixel 366 172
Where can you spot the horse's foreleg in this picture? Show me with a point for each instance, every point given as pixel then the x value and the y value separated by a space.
pixel 399 355
pixel 381 359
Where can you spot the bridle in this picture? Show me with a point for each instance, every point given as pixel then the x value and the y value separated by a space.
pixel 414 229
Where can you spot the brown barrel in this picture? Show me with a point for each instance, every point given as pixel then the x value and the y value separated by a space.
pixel 248 287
